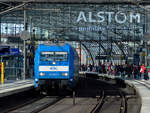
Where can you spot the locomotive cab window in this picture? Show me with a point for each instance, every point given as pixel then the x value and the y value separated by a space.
pixel 53 56
pixel 61 56
pixel 47 56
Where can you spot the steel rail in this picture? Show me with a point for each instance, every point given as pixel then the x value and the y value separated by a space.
pixel 32 102
pixel 96 109
pixel 123 107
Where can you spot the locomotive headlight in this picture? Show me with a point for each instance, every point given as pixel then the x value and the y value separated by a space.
pixel 64 74
pixel 54 63
pixel 42 74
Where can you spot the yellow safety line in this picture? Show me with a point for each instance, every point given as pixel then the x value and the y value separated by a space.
pixel 2 72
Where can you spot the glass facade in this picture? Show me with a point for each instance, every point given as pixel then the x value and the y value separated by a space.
pixel 101 29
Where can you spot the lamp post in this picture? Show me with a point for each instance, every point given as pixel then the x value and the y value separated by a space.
pixel 24 63
pixel 146 39
pixel 24 35
pixel 0 30
pixel 99 47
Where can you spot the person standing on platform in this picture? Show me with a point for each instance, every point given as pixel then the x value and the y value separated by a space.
pixel 121 71
pixel 148 71
pixel 129 70
pixel 103 68
pixel 135 72
pixel 142 71
pixel 109 69
pixel 100 68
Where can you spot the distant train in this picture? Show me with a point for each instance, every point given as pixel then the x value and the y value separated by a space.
pixel 56 66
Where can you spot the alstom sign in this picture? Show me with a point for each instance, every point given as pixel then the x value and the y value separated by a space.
pixel 101 16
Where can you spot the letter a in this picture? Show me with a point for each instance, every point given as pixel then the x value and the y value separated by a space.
pixel 81 17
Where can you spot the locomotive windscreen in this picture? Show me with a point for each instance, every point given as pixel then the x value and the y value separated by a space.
pixel 53 56
pixel 61 56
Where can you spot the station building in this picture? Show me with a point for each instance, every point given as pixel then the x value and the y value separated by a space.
pixel 114 31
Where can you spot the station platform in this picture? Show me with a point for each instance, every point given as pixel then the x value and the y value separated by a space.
pixel 141 86
pixel 11 87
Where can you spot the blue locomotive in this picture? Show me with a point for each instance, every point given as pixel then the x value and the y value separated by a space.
pixel 56 65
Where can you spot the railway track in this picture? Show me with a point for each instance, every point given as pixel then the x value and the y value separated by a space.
pixel 103 102
pixel 92 96
pixel 100 103
pixel 111 104
pixel 37 106
pixel 33 103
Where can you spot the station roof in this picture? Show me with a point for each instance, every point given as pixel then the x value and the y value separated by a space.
pixel 60 21
pixel 79 1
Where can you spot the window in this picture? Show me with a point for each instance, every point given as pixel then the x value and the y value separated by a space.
pixel 47 56
pixel 53 56
pixel 61 56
